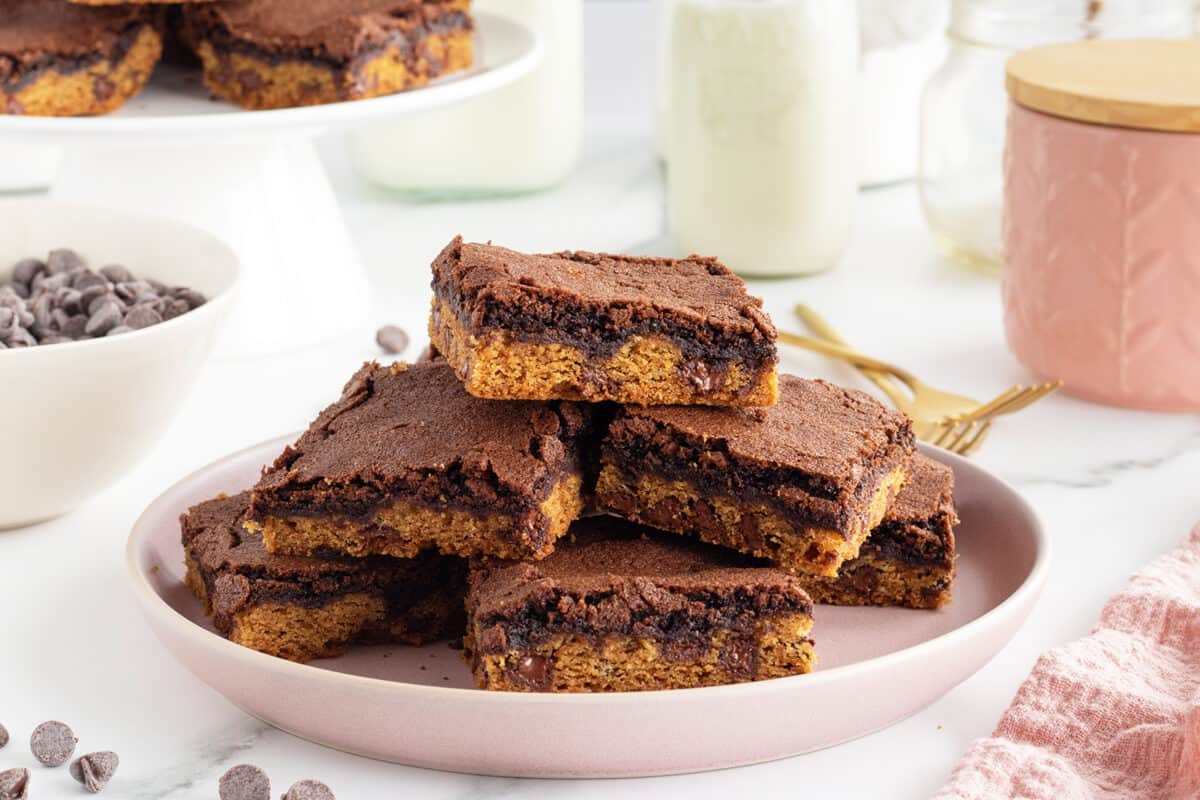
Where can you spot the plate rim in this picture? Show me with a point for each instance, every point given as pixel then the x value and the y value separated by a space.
pixel 152 603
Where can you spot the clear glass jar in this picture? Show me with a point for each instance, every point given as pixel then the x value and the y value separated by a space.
pixel 964 104
pixel 762 169
pixel 522 138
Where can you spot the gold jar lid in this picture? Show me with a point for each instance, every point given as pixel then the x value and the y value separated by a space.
pixel 1152 84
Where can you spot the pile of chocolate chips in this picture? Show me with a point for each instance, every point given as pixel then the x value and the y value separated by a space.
pixel 62 300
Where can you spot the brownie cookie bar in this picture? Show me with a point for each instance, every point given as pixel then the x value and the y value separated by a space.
pixel 585 326
pixel 908 560
pixel 62 59
pixel 618 607
pixel 265 54
pixel 801 483
pixel 407 460
pixel 304 608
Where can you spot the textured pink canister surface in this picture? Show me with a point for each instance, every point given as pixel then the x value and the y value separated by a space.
pixel 1102 251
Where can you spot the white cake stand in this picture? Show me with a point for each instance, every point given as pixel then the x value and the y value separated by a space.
pixel 254 179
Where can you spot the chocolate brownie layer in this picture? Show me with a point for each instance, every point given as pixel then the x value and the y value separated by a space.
pixel 908 560
pixel 279 53
pixel 800 483
pixel 61 59
pixel 618 607
pixel 302 608
pixel 406 460
pixel 601 327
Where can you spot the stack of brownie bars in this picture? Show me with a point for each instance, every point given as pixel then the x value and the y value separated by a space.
pixel 80 57
pixel 597 474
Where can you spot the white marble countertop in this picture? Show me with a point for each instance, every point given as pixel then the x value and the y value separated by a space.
pixel 1115 488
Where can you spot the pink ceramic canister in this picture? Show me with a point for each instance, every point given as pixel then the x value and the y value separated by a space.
pixel 1102 219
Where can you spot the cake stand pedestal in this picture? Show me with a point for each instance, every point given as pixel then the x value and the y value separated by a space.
pixel 254 179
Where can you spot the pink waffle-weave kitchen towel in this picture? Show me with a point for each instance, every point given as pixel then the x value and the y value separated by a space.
pixel 1115 715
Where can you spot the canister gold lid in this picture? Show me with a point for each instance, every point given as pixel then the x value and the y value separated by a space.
pixel 1153 84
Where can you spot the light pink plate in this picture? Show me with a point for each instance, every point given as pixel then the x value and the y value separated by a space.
pixel 417 705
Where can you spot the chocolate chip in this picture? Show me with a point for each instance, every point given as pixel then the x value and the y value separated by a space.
pixel 392 339
pixel 95 770
pixel 244 782
pixel 14 784
pixel 103 88
pixel 75 327
pixel 533 671
pixel 190 296
pixel 116 273
pixel 106 317
pixel 174 309
pixel 52 743
pixel 41 308
pixel 308 790
pixel 87 279
pixel 3 736
pixel 63 261
pixel 142 316
pixel 26 269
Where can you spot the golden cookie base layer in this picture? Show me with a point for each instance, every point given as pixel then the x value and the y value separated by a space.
pixel 573 663
pixel 261 82
pixel 404 529
pixel 301 634
pixel 99 88
pixel 681 507
pixel 874 581
pixel 645 371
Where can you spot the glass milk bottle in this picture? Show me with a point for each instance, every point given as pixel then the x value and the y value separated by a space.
pixel 521 138
pixel 761 131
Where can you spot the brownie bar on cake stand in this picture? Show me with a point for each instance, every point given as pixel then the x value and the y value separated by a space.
pixel 254 179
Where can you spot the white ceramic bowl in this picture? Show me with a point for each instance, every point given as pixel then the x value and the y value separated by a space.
pixel 74 417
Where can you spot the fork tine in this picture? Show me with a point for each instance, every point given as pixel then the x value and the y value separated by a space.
pixel 991 407
pixel 1037 393
pixel 946 427
pixel 962 431
pixel 971 446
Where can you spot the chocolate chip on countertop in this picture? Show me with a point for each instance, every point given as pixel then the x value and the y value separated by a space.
pixel 14 784
pixel 309 790
pixel 95 770
pixel 244 782
pixel 392 339
pixel 52 743
pixel 3 736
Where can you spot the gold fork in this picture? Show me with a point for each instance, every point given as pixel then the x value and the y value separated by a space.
pixel 955 422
